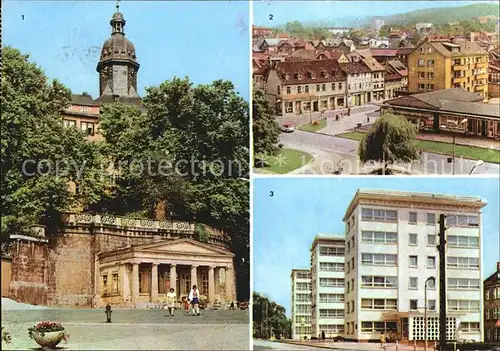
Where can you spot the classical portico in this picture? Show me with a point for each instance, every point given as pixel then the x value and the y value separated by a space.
pixel 145 273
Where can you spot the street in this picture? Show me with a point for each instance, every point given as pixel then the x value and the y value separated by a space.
pixel 138 329
pixel 328 344
pixel 328 149
pixel 270 345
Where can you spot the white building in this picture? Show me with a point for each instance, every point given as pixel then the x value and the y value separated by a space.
pixel 301 303
pixel 424 27
pixel 339 30
pixel 327 278
pixel 391 251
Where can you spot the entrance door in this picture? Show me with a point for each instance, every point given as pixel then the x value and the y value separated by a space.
pixel 298 108
pixel 404 326
pixel 315 106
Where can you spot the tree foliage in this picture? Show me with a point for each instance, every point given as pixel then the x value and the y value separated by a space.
pixel 40 156
pixel 296 29
pixel 265 130
pixel 390 139
pixel 269 319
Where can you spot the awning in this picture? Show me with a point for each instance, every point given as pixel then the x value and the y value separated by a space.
pixel 497 324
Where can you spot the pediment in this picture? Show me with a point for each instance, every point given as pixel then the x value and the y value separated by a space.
pixel 183 246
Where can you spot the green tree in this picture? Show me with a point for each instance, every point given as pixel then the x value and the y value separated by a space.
pixel 269 319
pixel 265 130
pixel 390 139
pixel 385 30
pixel 185 154
pixel 40 156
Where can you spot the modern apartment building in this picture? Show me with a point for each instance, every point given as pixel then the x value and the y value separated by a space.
pixel 301 304
pixel 492 306
pixel 391 252
pixel 327 278
pixel 444 63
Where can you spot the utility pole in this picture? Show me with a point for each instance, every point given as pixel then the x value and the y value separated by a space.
pixel 442 283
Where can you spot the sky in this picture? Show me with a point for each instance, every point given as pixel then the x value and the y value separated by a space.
pixel 285 224
pixel 206 40
pixel 289 11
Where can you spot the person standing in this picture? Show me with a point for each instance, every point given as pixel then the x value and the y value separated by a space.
pixel 382 341
pixel 171 301
pixel 323 335
pixel 194 297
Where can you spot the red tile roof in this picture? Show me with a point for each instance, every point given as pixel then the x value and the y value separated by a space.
pixel 322 70
pixel 354 68
pixel 384 52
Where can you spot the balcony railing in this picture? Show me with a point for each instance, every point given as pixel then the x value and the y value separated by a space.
pixel 481 65
pixel 457 80
pixel 459 67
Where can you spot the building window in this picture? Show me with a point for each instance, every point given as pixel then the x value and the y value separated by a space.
pixel 378 327
pixel 463 305
pixel 463 284
pixel 379 237
pixel 331 313
pixel 352 264
pixel 69 123
pixel 487 295
pixel 421 86
pixel 430 86
pixel 462 221
pixel 430 75
pixel 413 283
pixel 430 63
pixel 431 218
pixel 379 304
pixel 413 240
pixel 333 86
pixel 288 107
pixel 431 305
pixel 288 90
pixel 379 215
pixel 421 75
pixel 87 128
pixel 431 284
pixel 413 261
pixel 331 267
pixel 105 283
pixel 303 286
pixel 347 290
pixel 431 240
pixel 299 89
pixel 204 284
pixel 463 262
pixel 487 313
pixel 340 86
pixel 352 307
pixel 323 87
pixel 469 327
pixel 413 305
pixel 317 88
pixel 378 259
pixel 379 282
pixel 115 283
pixel 331 251
pixel 431 262
pixel 307 89
pixel 421 63
pixel 331 282
pixel 331 298
pixel 463 241
pixel 278 90
pixel 412 218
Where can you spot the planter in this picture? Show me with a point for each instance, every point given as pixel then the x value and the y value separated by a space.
pixel 48 339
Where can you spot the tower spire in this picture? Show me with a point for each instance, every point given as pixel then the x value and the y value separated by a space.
pixel 117 5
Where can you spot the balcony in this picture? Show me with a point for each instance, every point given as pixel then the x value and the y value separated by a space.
pixel 482 76
pixel 459 67
pixel 482 65
pixel 458 80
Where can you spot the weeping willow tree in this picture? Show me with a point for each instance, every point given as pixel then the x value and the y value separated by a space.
pixel 390 139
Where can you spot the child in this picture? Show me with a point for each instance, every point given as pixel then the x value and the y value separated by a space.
pixel 194 299
pixel 186 305
pixel 171 301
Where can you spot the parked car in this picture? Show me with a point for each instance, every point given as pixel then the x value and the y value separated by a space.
pixel 338 338
pixel 288 127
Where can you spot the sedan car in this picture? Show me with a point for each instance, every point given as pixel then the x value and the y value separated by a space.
pixel 288 127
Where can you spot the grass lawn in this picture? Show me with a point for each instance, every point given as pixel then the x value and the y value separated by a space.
pixel 312 128
pixel 286 161
pixel 436 147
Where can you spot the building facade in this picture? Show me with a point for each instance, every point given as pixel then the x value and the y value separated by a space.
pixel 492 306
pixel 391 252
pixel 327 279
pixel 359 83
pixel 443 63
pixel 301 304
pixel 301 87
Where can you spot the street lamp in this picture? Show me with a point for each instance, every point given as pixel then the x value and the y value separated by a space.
pixel 453 135
pixel 425 307
pixel 478 163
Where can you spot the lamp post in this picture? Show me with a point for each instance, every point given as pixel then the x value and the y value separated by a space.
pixel 478 163
pixel 425 308
pixel 453 135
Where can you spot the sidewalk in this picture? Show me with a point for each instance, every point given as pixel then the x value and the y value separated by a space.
pixel 364 346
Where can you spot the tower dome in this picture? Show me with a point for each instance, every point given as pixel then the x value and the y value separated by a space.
pixel 118 64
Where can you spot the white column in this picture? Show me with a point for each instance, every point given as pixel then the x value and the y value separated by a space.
pixel 229 283
pixel 173 278
pixel 125 286
pixel 211 284
pixel 135 282
pixel 194 276
pixel 154 282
